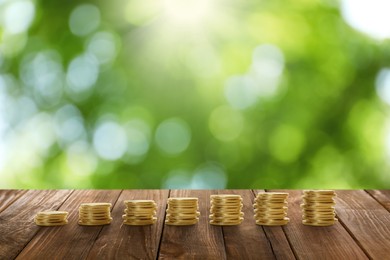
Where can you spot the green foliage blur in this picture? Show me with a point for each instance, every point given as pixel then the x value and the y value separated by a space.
pixel 190 94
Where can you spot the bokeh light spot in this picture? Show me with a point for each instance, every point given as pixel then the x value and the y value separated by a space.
pixel 138 134
pixel 368 16
pixel 43 73
pixel 173 136
pixel 84 19
pixel 383 85
pixel 110 141
pixel 18 16
pixel 267 68
pixel 241 92
pixel 225 123
pixel 82 73
pixel 69 124
pixel 209 176
pixel 103 46
pixel 178 179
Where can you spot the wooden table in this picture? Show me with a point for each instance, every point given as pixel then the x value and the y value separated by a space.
pixel 363 231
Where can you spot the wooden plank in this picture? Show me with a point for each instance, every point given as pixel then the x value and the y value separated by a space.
pixel 366 220
pixel 382 196
pixel 310 242
pixel 200 241
pixel 71 241
pixel 9 196
pixel 131 242
pixel 278 240
pixel 17 226
pixel 246 240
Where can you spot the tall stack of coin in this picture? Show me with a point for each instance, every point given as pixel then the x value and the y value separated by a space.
pixel 140 212
pixel 182 211
pixel 226 210
pixel 271 209
pixel 318 208
pixel 95 214
pixel 51 218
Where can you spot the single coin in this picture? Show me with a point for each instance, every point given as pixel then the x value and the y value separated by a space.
pixel 319 223
pixel 273 222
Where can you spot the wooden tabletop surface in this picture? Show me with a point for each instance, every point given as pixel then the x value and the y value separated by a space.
pixel 363 230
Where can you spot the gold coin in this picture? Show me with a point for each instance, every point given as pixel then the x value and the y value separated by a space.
pixel 95 205
pixel 49 224
pixel 273 222
pixel 319 223
pixel 227 214
pixel 143 211
pixel 52 213
pixel 138 202
pixel 181 222
pixel 224 196
pixel 94 223
pixel 272 195
pixel 225 223
pixel 139 222
pixel 183 200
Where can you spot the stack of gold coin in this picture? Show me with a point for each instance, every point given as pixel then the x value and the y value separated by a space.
pixel 95 214
pixel 182 211
pixel 139 212
pixel 51 218
pixel 271 209
pixel 318 208
pixel 226 210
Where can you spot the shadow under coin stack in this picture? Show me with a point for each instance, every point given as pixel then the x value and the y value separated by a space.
pixel 51 218
pixel 318 208
pixel 139 212
pixel 226 210
pixel 182 211
pixel 95 214
pixel 271 209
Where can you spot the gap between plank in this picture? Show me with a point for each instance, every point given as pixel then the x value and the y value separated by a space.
pixel 288 239
pixel 262 227
pixel 96 238
pixel 223 238
pixel 380 203
pixel 163 226
pixel 354 238
pixel 71 192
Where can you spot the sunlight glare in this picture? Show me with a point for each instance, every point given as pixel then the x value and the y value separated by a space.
pixel 187 12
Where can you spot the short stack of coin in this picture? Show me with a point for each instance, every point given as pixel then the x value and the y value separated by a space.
pixel 95 214
pixel 182 211
pixel 226 210
pixel 271 209
pixel 318 208
pixel 139 212
pixel 51 218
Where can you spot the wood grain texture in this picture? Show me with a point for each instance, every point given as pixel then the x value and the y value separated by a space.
pixel 17 226
pixel 278 240
pixel 246 240
pixel 118 241
pixel 363 231
pixel 382 196
pixel 367 221
pixel 71 241
pixel 310 242
pixel 9 196
pixel 200 241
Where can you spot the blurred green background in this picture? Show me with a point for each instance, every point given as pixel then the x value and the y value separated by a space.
pixel 194 94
